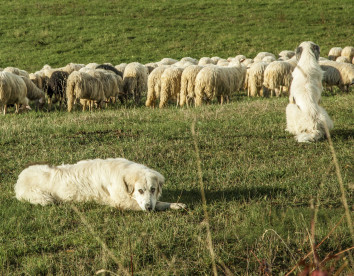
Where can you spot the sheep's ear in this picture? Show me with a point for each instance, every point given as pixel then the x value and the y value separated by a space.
pixel 129 185
pixel 298 53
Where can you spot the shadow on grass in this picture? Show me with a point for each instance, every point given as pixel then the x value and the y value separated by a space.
pixel 342 134
pixel 193 197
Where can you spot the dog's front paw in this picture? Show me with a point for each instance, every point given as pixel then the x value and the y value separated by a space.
pixel 176 206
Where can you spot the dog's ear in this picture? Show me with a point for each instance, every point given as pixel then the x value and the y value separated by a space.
pixel 316 50
pixel 129 184
pixel 161 181
pixel 298 52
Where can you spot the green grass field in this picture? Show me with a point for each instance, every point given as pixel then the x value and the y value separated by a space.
pixel 262 188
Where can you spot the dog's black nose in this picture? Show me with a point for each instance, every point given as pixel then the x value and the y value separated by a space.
pixel 148 207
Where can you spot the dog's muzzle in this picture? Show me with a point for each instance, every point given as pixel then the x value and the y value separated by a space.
pixel 148 207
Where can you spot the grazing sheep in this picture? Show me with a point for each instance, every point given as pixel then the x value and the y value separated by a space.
pixel 213 81
pixel 38 78
pixel 222 62
pixel 16 71
pixel 239 58
pixel 188 84
pixel 121 67
pixel 346 71
pixel 92 65
pixel 71 67
pixel 286 54
pixel 111 82
pixel 215 59
pixel 343 59
pixel 255 79
pixel 108 67
pixel 13 90
pixel 277 76
pixel 205 60
pixel 182 64
pixel 170 85
pixel 206 85
pixel 348 52
pixel 34 93
pixel 83 86
pixel 247 62
pixel 151 66
pixel 334 53
pixel 331 76
pixel 262 55
pixel 190 60
pixel 268 59
pixel 305 118
pixel 154 85
pixel 135 81
pixel 56 86
pixel 167 61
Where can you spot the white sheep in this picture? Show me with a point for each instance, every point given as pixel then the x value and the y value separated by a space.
pixel 222 62
pixel 346 71
pixel 170 85
pixel 34 93
pixel 334 53
pixel 262 55
pixel 211 82
pixel 121 67
pixel 83 86
pixel 255 79
pixel 112 83
pixel 151 66
pixel 188 84
pixel 348 52
pixel 189 59
pixel 16 71
pixel 167 61
pixel 135 81
pixel 286 54
pixel 71 67
pixel 215 59
pixel 247 62
pixel 205 60
pixel 342 59
pixel 12 91
pixel 331 76
pixel 277 77
pixel 154 85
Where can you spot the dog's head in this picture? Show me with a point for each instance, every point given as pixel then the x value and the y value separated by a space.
pixel 145 187
pixel 309 47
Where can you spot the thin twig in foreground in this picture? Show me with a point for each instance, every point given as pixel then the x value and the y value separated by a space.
pixel 103 244
pixel 206 215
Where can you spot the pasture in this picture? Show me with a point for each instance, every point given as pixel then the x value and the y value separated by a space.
pixel 268 198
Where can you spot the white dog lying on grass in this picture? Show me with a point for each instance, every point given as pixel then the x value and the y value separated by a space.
pixel 116 182
pixel 305 118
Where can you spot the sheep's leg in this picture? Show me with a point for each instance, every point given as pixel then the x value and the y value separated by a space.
pixel 5 109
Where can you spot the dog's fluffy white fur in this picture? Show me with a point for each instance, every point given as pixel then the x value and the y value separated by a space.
pixel 305 118
pixel 115 182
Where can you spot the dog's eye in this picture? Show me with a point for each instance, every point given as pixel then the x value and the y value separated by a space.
pixel 153 190
pixel 141 191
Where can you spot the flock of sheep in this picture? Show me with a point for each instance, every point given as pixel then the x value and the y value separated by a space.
pixel 186 82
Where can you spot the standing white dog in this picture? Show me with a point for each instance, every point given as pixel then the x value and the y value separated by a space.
pixel 305 118
pixel 116 182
